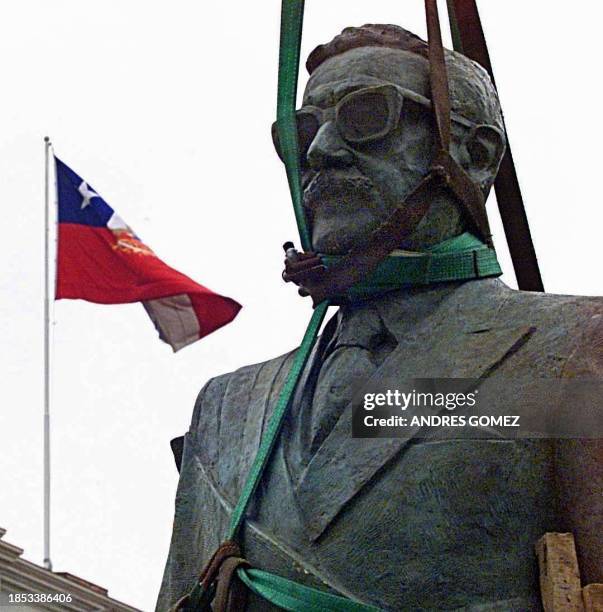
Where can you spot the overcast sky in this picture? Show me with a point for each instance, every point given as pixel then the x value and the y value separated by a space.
pixel 165 109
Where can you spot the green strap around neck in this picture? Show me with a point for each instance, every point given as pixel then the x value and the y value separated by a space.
pixel 464 257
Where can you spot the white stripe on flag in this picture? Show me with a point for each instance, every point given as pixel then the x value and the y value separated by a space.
pixel 175 320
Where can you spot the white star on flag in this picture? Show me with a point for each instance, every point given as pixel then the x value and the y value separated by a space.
pixel 87 194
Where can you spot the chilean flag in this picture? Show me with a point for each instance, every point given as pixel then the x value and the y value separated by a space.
pixel 100 259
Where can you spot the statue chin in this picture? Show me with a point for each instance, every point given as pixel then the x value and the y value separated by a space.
pixel 337 239
pixel 337 228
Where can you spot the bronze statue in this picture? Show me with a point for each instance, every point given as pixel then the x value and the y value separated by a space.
pixel 402 524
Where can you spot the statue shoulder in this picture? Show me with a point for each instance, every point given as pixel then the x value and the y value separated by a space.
pixel 576 305
pixel 586 358
pixel 549 311
pixel 573 324
pixel 227 402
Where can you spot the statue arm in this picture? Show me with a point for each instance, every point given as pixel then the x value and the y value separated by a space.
pixel 580 480
pixel 579 465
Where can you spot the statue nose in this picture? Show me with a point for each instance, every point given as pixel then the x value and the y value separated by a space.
pixel 328 149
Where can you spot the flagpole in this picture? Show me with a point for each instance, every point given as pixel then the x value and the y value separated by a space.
pixel 47 561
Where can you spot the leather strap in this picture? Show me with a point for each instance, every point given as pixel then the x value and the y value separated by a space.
pixel 466 192
pixel 231 593
pixel 469 39
pixel 204 591
pixel 438 78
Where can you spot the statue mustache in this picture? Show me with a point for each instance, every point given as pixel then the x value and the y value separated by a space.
pixel 336 185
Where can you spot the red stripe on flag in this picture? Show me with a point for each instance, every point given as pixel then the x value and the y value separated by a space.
pixel 107 267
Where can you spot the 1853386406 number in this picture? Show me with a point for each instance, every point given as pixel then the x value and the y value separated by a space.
pixel 39 598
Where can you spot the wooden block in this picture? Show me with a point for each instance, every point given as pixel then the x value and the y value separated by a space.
pixel 593 598
pixel 560 587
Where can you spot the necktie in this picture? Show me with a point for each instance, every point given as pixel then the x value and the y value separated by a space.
pixel 357 349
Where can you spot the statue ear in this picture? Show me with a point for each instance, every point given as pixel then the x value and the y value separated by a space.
pixel 485 145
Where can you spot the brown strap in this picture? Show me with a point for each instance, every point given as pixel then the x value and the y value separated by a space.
pixel 466 192
pixel 226 550
pixel 231 593
pixel 209 574
pixel 438 76
pixel 456 178
pixel 468 36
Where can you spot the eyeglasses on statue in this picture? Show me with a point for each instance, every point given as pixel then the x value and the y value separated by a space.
pixel 361 117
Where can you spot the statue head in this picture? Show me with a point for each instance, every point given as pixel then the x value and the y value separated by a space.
pixel 367 135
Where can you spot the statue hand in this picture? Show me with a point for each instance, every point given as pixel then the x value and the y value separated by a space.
pixel 302 269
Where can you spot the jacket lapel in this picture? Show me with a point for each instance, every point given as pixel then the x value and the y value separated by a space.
pixel 442 346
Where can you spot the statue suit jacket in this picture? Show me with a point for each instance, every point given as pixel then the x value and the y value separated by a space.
pixel 402 524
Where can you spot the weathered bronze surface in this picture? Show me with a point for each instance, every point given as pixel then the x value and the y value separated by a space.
pixel 402 524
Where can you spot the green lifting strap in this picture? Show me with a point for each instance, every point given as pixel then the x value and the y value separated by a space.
pixel 295 597
pixel 292 17
pixel 464 257
pixel 276 420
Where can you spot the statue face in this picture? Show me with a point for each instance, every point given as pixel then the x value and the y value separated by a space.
pixel 365 153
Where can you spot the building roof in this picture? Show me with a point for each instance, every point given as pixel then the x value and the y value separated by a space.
pixel 18 575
